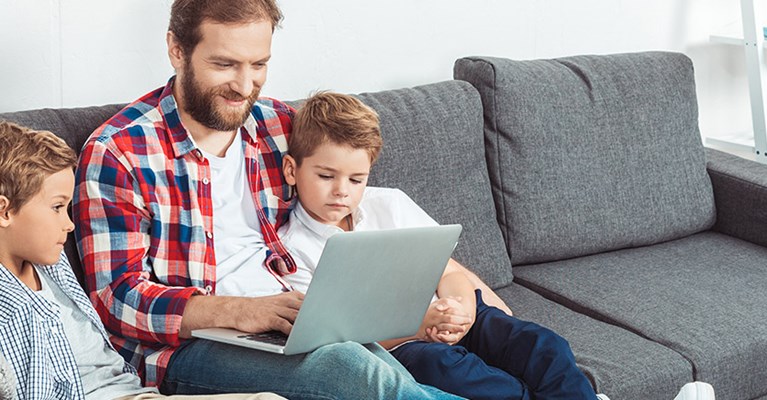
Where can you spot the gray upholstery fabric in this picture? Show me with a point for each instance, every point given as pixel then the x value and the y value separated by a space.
pixel 592 153
pixel 740 193
pixel 74 125
pixel 433 151
pixel 619 363
pixel 7 380
pixel 701 296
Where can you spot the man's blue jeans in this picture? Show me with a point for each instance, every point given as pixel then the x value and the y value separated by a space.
pixel 337 371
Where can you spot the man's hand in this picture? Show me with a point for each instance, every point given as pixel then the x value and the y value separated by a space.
pixel 248 314
pixel 446 321
pixel 268 313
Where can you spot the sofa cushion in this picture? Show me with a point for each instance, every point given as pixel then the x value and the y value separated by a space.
pixel 592 153
pixel 433 151
pixel 701 296
pixel 74 125
pixel 619 363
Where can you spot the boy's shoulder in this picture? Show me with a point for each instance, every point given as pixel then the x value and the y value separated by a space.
pixel 14 298
pixel 382 193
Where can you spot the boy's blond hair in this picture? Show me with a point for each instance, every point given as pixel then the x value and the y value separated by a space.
pixel 336 118
pixel 27 157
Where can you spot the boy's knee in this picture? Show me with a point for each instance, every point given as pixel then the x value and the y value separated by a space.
pixel 442 357
pixel 550 342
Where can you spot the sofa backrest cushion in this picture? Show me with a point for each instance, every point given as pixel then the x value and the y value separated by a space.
pixel 592 153
pixel 433 150
pixel 74 125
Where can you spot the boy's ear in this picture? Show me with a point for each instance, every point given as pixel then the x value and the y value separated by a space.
pixel 5 215
pixel 289 169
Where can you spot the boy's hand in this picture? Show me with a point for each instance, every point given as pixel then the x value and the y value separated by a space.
pixel 446 321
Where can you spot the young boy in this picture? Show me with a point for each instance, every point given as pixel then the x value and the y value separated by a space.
pixel 50 335
pixel 464 346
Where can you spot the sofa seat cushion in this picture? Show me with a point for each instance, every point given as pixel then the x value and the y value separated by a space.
pixel 433 150
pixel 701 296
pixel 592 153
pixel 619 363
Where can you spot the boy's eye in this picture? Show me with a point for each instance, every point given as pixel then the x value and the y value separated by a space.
pixel 58 207
pixel 325 177
pixel 356 181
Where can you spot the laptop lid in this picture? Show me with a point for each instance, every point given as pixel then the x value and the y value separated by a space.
pixel 368 286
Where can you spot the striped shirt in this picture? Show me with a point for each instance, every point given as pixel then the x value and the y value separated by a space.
pixel 32 336
pixel 144 218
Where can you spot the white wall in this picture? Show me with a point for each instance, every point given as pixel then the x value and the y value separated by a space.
pixel 67 53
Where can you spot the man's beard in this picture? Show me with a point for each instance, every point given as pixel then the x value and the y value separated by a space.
pixel 201 106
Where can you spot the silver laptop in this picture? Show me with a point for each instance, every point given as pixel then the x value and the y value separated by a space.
pixel 368 286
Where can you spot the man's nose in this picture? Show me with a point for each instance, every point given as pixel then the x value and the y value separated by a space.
pixel 244 83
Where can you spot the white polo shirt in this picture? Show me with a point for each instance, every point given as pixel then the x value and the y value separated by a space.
pixel 380 208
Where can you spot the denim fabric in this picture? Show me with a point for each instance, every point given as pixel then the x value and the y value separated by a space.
pixel 501 357
pixel 338 371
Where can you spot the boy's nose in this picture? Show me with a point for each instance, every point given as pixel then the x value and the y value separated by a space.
pixel 341 191
pixel 69 226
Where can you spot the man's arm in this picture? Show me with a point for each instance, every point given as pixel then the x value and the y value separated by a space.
pixel 112 231
pixel 257 314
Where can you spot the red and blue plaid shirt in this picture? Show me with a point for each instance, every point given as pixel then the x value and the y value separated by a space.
pixel 145 219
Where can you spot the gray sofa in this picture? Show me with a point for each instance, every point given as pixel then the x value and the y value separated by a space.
pixel 587 174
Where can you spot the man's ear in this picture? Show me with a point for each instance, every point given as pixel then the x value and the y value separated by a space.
pixel 289 169
pixel 5 215
pixel 175 52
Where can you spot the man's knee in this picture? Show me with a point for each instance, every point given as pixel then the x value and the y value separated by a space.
pixel 346 353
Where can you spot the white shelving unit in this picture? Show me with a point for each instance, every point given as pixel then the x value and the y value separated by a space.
pixel 753 46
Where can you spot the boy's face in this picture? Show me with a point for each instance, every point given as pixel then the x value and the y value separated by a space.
pixel 37 231
pixel 330 183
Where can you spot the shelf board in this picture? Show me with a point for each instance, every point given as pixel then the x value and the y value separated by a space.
pixel 730 39
pixel 742 142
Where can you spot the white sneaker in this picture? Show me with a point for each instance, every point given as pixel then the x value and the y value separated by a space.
pixel 601 396
pixel 696 391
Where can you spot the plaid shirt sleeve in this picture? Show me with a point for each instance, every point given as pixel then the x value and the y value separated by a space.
pixel 113 238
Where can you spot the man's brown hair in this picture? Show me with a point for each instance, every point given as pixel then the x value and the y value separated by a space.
pixel 186 16
pixel 336 118
pixel 26 159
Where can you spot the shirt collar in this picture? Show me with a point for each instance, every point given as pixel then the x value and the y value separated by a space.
pixel 181 140
pixel 324 230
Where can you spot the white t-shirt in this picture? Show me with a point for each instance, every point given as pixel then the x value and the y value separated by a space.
pixel 101 368
pixel 239 246
pixel 380 208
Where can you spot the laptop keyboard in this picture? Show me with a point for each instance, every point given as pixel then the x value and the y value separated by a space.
pixel 271 337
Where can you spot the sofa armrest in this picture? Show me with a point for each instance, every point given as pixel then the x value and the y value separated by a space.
pixel 740 195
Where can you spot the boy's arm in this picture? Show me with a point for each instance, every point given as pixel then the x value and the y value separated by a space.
pixel 455 284
pixel 113 238
pixel 488 295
